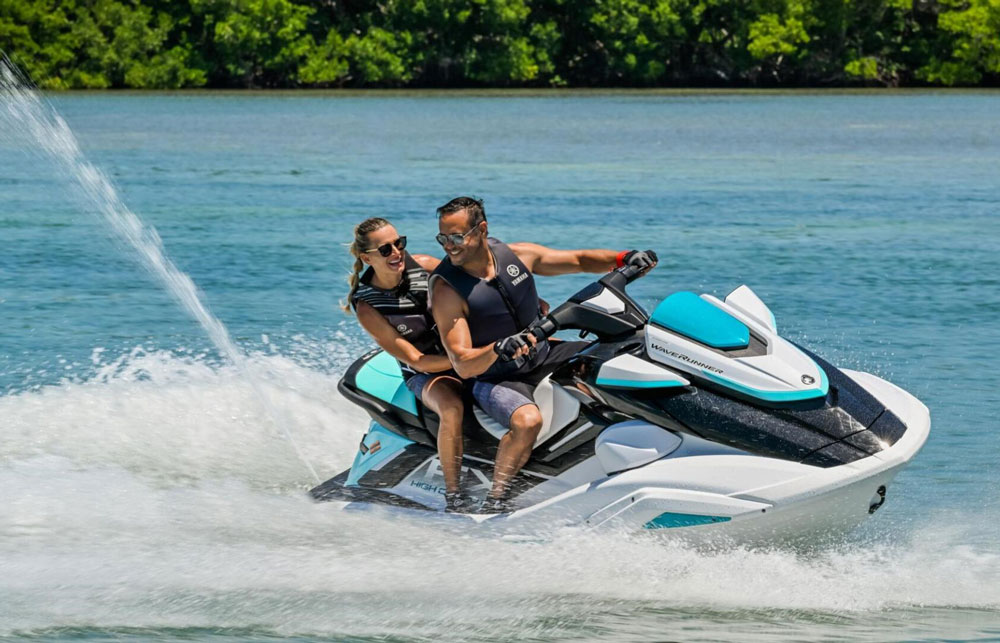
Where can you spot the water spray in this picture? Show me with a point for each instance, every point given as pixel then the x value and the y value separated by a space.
pixel 28 111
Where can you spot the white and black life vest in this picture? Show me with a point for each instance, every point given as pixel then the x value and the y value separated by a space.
pixel 405 307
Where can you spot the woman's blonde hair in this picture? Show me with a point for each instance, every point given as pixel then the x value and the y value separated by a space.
pixel 357 248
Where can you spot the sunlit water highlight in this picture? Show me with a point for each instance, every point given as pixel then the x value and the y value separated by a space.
pixel 146 495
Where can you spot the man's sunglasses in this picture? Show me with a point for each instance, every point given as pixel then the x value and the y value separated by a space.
pixel 456 239
pixel 386 248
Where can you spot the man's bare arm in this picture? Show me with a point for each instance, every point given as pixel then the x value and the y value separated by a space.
pixel 548 261
pixel 427 262
pixel 449 313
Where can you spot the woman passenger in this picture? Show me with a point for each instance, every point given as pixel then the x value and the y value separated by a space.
pixel 390 299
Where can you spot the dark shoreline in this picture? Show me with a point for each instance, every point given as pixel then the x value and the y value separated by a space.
pixel 536 92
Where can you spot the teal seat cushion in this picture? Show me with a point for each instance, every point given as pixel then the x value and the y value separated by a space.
pixel 690 315
pixel 382 377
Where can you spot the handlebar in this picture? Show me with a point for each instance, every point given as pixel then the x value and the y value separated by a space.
pixel 631 273
pixel 566 314
pixel 548 326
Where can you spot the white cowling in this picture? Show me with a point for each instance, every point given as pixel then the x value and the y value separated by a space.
pixel 747 302
pixel 628 445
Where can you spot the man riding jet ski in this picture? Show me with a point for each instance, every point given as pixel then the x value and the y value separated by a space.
pixel 697 417
pixel 483 300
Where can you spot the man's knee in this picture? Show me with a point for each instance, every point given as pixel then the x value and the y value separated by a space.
pixel 527 419
pixel 451 415
pixel 444 398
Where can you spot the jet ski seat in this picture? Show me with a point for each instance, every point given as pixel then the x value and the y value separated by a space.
pixel 558 409
pixel 381 378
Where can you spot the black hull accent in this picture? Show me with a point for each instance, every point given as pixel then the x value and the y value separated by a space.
pixel 848 425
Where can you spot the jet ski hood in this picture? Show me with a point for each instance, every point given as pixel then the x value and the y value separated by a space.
pixel 725 345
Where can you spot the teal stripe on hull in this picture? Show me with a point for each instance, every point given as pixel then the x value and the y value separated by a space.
pixel 607 381
pixel 775 396
pixel 670 520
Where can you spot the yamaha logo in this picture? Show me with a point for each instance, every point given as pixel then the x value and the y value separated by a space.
pixel 513 270
pixel 808 379
pixel 401 328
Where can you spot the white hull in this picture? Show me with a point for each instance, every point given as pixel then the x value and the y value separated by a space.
pixel 750 499
pixel 756 499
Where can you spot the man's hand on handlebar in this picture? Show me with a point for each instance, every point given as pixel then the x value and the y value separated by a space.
pixel 640 259
pixel 634 264
pixel 519 345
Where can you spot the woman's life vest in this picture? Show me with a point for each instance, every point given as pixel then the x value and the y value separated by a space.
pixel 405 306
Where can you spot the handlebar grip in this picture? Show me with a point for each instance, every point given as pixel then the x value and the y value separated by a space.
pixel 630 273
pixel 544 329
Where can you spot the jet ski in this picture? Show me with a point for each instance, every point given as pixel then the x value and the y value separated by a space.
pixel 697 418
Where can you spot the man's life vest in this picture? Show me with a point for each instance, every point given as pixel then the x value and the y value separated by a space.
pixel 498 307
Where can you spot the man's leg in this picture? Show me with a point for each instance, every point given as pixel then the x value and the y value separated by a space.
pixel 443 395
pixel 510 404
pixel 515 447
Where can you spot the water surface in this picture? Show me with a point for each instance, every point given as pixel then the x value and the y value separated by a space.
pixel 148 494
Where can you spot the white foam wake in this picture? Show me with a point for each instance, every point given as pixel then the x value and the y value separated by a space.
pixel 153 495
pixel 45 130
pixel 106 548
pixel 176 417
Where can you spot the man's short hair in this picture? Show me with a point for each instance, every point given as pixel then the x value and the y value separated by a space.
pixel 473 206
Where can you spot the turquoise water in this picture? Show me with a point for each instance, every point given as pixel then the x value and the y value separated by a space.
pixel 148 493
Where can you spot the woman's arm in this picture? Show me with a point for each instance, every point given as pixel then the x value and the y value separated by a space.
pixel 396 345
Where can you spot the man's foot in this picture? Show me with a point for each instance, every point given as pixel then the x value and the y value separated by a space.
pixel 458 503
pixel 494 506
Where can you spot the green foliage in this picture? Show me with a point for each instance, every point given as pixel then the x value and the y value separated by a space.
pixel 381 57
pixel 98 44
pixel 975 45
pixel 325 64
pixel 255 42
pixel 863 68
pixel 770 36
pixel 396 43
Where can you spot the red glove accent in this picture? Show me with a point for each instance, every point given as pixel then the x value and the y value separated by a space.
pixel 620 258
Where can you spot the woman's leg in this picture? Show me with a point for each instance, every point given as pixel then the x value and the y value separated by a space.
pixel 443 395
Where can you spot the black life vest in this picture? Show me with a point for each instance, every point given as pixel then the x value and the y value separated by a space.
pixel 405 307
pixel 498 307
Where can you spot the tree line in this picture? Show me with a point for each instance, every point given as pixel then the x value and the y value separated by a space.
pixel 168 44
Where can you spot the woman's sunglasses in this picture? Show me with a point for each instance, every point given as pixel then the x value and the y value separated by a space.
pixel 386 248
